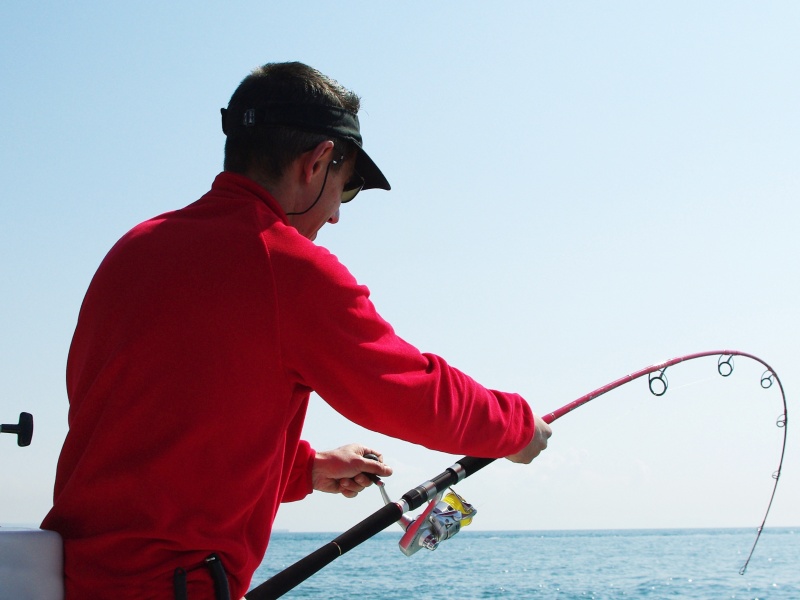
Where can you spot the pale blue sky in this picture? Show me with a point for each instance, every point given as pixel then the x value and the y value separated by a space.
pixel 579 190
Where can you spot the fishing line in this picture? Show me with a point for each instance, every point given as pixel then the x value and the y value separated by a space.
pixel 658 384
pixel 433 490
pixel 692 383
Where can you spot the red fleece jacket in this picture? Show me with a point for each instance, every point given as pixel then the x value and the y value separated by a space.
pixel 199 341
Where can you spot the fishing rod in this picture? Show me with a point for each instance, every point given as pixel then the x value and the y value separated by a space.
pixel 442 519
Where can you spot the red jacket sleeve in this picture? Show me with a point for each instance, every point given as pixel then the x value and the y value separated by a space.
pixel 299 484
pixel 334 341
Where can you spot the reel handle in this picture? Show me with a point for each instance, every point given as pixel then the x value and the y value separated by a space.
pixel 377 481
pixel 373 478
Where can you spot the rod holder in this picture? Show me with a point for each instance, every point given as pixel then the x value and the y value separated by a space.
pixel 23 429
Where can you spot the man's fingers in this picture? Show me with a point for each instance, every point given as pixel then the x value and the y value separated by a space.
pixel 373 463
pixel 351 487
pixel 363 480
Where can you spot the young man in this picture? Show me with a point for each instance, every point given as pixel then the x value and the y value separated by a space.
pixel 199 341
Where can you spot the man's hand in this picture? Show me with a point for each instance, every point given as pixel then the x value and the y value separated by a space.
pixel 341 471
pixel 536 445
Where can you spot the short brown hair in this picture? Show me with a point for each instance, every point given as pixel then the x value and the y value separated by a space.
pixel 271 150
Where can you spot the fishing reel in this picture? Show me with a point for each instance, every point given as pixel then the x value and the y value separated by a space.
pixel 443 517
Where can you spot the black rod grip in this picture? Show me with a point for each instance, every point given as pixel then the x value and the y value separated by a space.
pixel 295 574
pixel 425 492
pixel 472 464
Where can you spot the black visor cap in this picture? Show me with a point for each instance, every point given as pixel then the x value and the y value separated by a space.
pixel 329 120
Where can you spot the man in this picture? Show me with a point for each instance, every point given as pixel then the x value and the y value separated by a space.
pixel 199 341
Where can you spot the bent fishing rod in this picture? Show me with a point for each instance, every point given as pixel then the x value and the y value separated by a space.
pixel 443 518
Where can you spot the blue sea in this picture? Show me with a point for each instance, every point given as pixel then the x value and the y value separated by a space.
pixel 687 563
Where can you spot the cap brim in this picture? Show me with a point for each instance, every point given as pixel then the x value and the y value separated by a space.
pixel 366 167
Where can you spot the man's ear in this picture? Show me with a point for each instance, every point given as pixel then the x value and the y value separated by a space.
pixel 316 160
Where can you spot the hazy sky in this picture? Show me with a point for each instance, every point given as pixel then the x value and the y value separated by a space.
pixel 579 190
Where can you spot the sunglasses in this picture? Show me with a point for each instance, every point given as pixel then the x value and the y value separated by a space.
pixel 352 187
